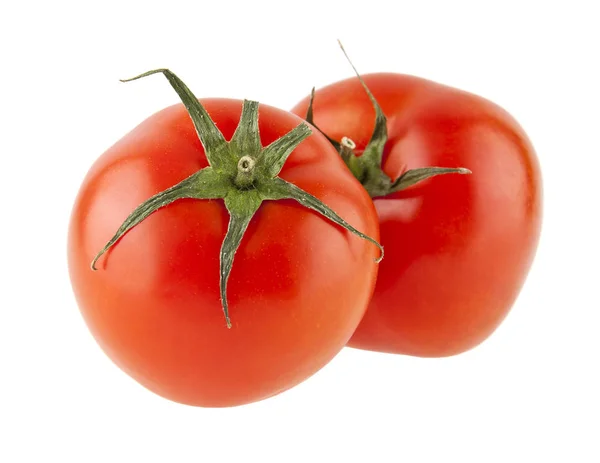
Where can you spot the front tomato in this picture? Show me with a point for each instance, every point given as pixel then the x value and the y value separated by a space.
pixel 299 284
pixel 458 247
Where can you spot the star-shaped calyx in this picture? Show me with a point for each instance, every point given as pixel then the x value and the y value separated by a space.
pixel 241 172
pixel 367 167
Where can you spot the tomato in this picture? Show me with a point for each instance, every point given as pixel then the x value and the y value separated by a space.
pixel 298 288
pixel 458 247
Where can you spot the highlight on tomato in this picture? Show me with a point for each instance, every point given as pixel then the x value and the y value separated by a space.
pixel 224 269
pixel 458 247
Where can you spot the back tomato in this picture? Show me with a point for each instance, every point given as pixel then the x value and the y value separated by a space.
pixel 458 247
pixel 298 288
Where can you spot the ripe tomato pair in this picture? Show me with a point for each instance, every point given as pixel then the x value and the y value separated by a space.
pixel 162 214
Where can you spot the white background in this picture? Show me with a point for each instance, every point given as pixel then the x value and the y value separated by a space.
pixel 530 393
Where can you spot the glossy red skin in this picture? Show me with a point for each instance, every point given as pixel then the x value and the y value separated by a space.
pixel 457 247
pixel 299 284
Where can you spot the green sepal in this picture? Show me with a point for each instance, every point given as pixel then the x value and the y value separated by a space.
pixel 246 138
pixel 241 205
pixel 204 184
pixel 310 119
pixel 373 153
pixel 414 176
pixel 280 189
pixel 273 157
pixel 215 146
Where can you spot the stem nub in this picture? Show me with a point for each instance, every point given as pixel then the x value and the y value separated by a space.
pixel 241 172
pixel 347 147
pixel 245 172
pixel 246 164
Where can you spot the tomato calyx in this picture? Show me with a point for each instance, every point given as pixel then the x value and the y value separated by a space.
pixel 366 167
pixel 241 172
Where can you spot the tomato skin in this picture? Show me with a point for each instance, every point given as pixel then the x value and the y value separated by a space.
pixel 457 247
pixel 299 284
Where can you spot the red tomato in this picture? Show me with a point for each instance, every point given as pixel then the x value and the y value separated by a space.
pixel 298 288
pixel 458 247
